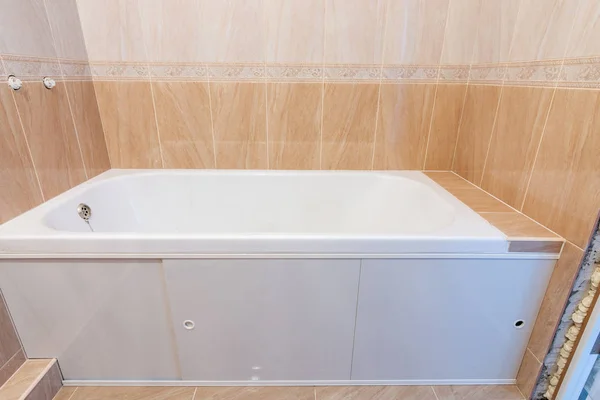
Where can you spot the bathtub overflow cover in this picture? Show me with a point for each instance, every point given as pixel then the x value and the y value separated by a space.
pixel 84 211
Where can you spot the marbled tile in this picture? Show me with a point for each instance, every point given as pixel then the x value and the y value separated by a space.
pixel 295 31
pixel 515 140
pixel 354 31
pixel 12 365
pixel 461 31
pixel 542 29
pixel 557 293
pixel 184 123
pixel 564 191
pixel 63 17
pixel 449 180
pixel 9 341
pixel 476 392
pixel 134 393
pixel 496 25
pixel 445 121
pixel 17 173
pixel 535 246
pixel 349 125
pixel 586 31
pixel 25 378
pixel 57 157
pixel 294 125
pixel 475 131
pixel 24 29
pixel 255 393
pixel 65 393
pixel 528 374
pixel 129 124
pixel 48 386
pixel 86 117
pixel 516 225
pixel 375 393
pixel 415 31
pixel 480 201
pixel 404 120
pixel 239 123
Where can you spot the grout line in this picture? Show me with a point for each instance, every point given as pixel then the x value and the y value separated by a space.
pixel 194 395
pixel 376 125
pixel 430 124
pixel 508 205
pixel 519 389
pixel 377 111
pixel 14 355
pixel 315 392
pixel 531 352
pixel 27 143
pixel 491 135
pixel 212 124
pixel 460 121
pixel 62 73
pixel 265 79
pixel 110 161
pixel 75 391
pixel 323 83
pixel 434 393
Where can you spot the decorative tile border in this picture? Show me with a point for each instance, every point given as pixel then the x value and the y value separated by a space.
pixel 575 73
pixel 454 73
pixel 30 68
pixel 410 73
pixel 539 73
pixel 580 73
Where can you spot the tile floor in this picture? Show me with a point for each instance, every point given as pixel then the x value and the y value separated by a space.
pixel 508 392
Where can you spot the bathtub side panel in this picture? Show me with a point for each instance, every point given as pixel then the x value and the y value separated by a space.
pixel 257 320
pixel 102 320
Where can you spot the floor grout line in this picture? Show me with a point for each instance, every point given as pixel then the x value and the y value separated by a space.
pixel 434 393
pixel 73 394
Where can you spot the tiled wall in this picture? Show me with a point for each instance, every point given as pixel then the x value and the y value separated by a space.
pixel 50 140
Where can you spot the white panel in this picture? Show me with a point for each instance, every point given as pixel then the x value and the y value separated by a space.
pixel 445 319
pixel 267 319
pixel 102 320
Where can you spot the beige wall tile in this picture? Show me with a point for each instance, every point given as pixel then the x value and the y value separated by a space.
pixel 51 136
pixel 557 293
pixel 294 116
pixel 536 246
pixel 112 30
pixel 295 31
pixel 171 30
pixel 232 31
pixel 349 125
pixel 461 31
pixel 133 393
pixel 239 121
pixel 24 29
pixel 9 342
pixel 480 201
pixel 129 123
pixel 415 31
pixel 495 30
pixel 184 121
pixel 517 225
pixel 564 192
pixel 66 29
pixel 354 31
pixel 48 386
pixel 255 393
pixel 375 392
pixel 586 30
pixel 519 124
pixel 528 374
pixel 476 392
pixel 26 376
pixel 449 180
pixel 542 29
pixel 11 366
pixel 403 125
pixel 20 190
pixel 445 122
pixel 475 131
pixel 86 117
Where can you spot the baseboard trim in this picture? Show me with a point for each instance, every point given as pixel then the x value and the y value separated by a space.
pixel 431 382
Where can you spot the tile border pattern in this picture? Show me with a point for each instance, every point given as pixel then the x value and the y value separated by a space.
pixel 573 73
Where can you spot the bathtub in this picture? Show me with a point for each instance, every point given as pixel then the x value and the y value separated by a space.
pixel 269 278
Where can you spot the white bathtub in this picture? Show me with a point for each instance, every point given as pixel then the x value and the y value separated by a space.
pixel 252 212
pixel 269 278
